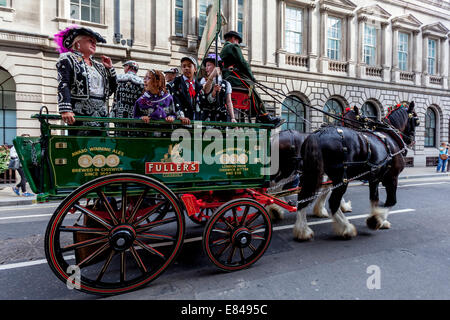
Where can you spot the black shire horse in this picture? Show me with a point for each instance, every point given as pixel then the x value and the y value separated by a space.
pixel 289 144
pixel 343 153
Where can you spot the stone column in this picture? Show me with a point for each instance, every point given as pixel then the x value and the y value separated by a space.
pixel 162 30
pixel 416 57
pixel 444 61
pixel 281 51
pixel 192 37
pixel 313 36
pixel 352 46
pixel 271 36
pixel 360 69
pixel 386 52
pixel 323 59
pixel 142 25
pixel 255 34
pixel 395 73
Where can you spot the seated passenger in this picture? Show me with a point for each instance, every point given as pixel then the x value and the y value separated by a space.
pixel 156 103
pixel 186 90
pixel 218 105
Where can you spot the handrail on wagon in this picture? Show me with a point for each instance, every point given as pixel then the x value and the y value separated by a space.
pixel 159 123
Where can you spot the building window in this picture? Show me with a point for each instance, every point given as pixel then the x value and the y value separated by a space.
pixel 7 108
pixel 430 128
pixel 431 56
pixel 334 28
pixel 294 114
pixel 203 5
pixel 403 39
pixel 294 20
pixel 3 3
pixel 370 43
pixel 87 10
pixel 240 18
pixel 369 110
pixel 334 107
pixel 179 17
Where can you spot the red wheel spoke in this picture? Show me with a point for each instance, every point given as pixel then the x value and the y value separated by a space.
pixel 123 267
pixel 255 237
pixel 108 207
pixel 224 220
pixel 252 219
pixel 230 256
pixel 220 242
pixel 149 249
pixel 236 222
pixel 93 216
pixel 93 255
pixel 219 254
pixel 138 204
pixel 255 228
pixel 154 224
pixel 153 236
pixel 85 243
pixel 150 211
pixel 244 215
pixel 105 266
pixel 124 202
pixel 241 251
pixel 138 260
pixel 80 229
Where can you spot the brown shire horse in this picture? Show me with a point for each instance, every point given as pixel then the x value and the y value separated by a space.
pixel 343 153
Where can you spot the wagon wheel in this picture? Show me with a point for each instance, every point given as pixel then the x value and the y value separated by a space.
pixel 119 244
pixel 237 235
pixel 203 216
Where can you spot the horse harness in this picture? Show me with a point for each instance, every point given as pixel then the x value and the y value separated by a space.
pixel 373 166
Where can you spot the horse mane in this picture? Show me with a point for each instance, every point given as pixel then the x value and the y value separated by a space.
pixel 396 118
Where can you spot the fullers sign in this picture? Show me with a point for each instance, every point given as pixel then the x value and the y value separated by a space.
pixel 171 167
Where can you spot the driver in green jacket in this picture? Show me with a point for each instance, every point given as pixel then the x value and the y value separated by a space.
pixel 237 71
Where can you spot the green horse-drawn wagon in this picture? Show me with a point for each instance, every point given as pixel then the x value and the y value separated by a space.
pixel 126 191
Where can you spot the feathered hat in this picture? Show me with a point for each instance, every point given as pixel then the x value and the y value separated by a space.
pixel 64 39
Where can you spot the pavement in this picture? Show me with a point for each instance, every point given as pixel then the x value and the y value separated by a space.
pixel 9 198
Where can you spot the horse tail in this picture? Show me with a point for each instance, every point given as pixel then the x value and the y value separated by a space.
pixel 313 167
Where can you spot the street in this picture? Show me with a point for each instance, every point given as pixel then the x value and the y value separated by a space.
pixel 409 261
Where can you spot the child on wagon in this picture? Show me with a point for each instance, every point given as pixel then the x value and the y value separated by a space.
pixel 156 103
pixel 187 91
pixel 218 105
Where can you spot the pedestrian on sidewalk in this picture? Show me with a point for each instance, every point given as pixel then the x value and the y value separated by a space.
pixel 14 164
pixel 443 157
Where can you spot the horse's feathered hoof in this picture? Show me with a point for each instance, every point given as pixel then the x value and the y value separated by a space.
pixel 346 206
pixel 386 225
pixel 321 212
pixel 374 222
pixel 347 232
pixel 304 234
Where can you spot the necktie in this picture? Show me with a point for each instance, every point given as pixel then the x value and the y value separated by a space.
pixel 191 89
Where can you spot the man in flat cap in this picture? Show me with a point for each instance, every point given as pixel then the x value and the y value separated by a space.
pixel 237 71
pixel 171 74
pixel 129 88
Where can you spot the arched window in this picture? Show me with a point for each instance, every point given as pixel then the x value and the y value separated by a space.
pixel 369 110
pixel 430 128
pixel 7 107
pixel 334 107
pixel 293 111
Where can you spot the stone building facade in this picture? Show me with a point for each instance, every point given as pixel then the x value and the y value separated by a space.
pixel 329 54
